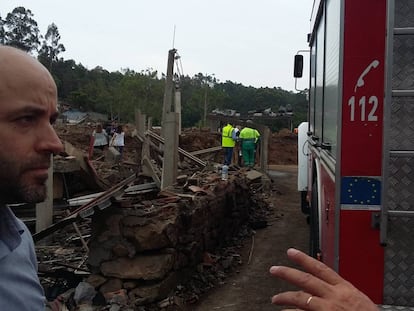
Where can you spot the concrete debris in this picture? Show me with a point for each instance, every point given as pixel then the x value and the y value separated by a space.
pixel 253 175
pixel 112 155
pixel 84 293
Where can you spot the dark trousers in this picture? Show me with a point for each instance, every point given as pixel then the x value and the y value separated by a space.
pixel 120 149
pixel 228 154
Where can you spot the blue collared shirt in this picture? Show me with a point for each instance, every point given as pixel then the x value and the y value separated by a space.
pixel 20 289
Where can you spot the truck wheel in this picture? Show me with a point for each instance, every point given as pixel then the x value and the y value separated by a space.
pixel 314 223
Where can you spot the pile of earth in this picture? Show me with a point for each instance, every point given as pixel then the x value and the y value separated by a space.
pixel 282 145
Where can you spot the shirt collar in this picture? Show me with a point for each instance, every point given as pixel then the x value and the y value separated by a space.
pixel 10 228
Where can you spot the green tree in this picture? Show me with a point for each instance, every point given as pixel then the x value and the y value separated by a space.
pixel 21 30
pixel 69 76
pixel 51 47
pixel 1 30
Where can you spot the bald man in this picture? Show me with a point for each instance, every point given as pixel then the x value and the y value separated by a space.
pixel 28 109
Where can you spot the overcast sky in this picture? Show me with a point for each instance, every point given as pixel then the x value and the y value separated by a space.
pixel 247 42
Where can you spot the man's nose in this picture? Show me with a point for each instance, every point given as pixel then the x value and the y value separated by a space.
pixel 51 142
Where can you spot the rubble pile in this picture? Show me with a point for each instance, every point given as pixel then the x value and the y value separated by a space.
pixel 145 249
pixel 156 249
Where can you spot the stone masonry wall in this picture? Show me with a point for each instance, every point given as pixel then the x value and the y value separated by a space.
pixel 145 250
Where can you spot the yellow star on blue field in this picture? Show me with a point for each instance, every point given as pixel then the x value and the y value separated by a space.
pixel 360 191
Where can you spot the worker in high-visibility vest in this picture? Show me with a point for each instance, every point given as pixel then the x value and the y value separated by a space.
pixel 249 137
pixel 257 144
pixel 237 152
pixel 228 141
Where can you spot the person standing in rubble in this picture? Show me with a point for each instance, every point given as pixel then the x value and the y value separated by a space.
pixel 238 154
pixel 118 139
pixel 228 141
pixel 256 145
pixel 248 138
pixel 100 138
pixel 28 109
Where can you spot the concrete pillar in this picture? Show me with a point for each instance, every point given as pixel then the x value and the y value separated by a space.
pixel 140 122
pixel 149 123
pixel 264 148
pixel 178 108
pixel 170 160
pixel 168 91
pixel 137 119
pixel 205 106
pixel 44 210
pixel 145 150
pixel 143 123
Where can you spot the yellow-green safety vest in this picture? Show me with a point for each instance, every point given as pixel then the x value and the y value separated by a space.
pixel 226 136
pixel 248 133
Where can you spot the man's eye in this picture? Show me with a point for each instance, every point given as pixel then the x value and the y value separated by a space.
pixel 26 119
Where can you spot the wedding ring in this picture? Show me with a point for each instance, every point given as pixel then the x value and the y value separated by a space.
pixel 309 300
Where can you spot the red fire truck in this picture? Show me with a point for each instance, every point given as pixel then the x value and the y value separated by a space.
pixel 356 152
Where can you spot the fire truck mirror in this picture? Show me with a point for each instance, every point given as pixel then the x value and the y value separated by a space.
pixel 298 69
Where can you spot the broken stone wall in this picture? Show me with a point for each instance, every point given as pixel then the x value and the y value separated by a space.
pixel 146 248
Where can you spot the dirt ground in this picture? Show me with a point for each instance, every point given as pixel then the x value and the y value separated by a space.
pixel 252 286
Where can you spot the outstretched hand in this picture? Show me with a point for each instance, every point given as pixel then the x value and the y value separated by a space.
pixel 322 288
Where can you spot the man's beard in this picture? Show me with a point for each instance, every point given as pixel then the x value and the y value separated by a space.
pixel 15 188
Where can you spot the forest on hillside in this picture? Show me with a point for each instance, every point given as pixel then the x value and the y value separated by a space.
pixel 119 94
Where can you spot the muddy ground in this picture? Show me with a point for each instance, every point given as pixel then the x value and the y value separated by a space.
pixel 251 287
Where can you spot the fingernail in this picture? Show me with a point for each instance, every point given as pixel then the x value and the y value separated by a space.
pixel 273 269
pixel 292 251
pixel 273 299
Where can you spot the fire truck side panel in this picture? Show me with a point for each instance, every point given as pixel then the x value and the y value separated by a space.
pixel 363 87
pixel 332 95
pixel 360 263
pixel 328 213
pixel 347 77
pixel 324 119
pixel 360 252
pixel 361 143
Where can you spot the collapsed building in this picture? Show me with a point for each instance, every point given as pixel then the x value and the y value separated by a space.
pixel 120 237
